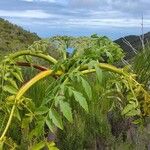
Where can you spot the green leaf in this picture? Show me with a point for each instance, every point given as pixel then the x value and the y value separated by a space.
pixel 51 146
pixel 109 55
pixel 98 73
pixel 56 118
pixel 133 112
pixel 18 76
pixel 50 124
pixel 39 128
pixel 66 110
pixel 17 114
pixel 137 121
pixel 10 89
pixel 1 145
pixel 19 72
pixel 91 64
pixel 128 108
pixel 25 122
pixel 41 110
pixel 38 146
pixel 87 88
pixel 82 101
pixel 58 99
pixel 70 91
pixel 13 83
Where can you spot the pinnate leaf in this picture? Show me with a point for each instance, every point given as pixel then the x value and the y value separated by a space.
pixel 66 110
pixel 82 101
pixel 87 88
pixel 56 118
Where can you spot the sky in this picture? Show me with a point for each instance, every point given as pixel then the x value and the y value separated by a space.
pixel 112 18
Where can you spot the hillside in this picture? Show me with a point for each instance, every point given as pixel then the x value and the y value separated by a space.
pixel 13 37
pixel 131 43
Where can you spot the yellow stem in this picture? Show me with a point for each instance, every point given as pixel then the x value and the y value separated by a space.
pixel 8 123
pixel 22 92
pixel 29 52
pixel 43 74
pixel 88 71
pixel 31 82
pixel 104 66
pixel 111 68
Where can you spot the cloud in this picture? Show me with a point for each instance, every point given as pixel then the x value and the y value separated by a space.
pixel 72 14
pixel 28 0
pixel 48 1
pixel 107 22
pixel 84 3
pixel 51 1
pixel 83 23
pixel 25 14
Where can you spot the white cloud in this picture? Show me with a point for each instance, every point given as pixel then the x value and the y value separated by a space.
pixel 28 0
pixel 84 3
pixel 88 23
pixel 75 17
pixel 50 1
pixel 107 22
pixel 39 14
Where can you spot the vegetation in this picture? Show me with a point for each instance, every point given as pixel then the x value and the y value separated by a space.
pixel 78 100
pixel 13 37
pixel 132 44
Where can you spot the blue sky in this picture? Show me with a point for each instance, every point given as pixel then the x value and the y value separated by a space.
pixel 113 18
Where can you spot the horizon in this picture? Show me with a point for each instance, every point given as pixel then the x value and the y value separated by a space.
pixel 47 18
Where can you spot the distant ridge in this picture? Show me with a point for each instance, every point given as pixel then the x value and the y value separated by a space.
pixel 135 42
pixel 13 37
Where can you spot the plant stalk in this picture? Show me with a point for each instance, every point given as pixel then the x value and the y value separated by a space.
pixel 43 74
pixel 22 91
pixel 84 69
pixel 29 52
pixel 26 64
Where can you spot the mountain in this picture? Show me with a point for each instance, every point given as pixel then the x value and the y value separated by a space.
pixel 13 37
pixel 132 43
